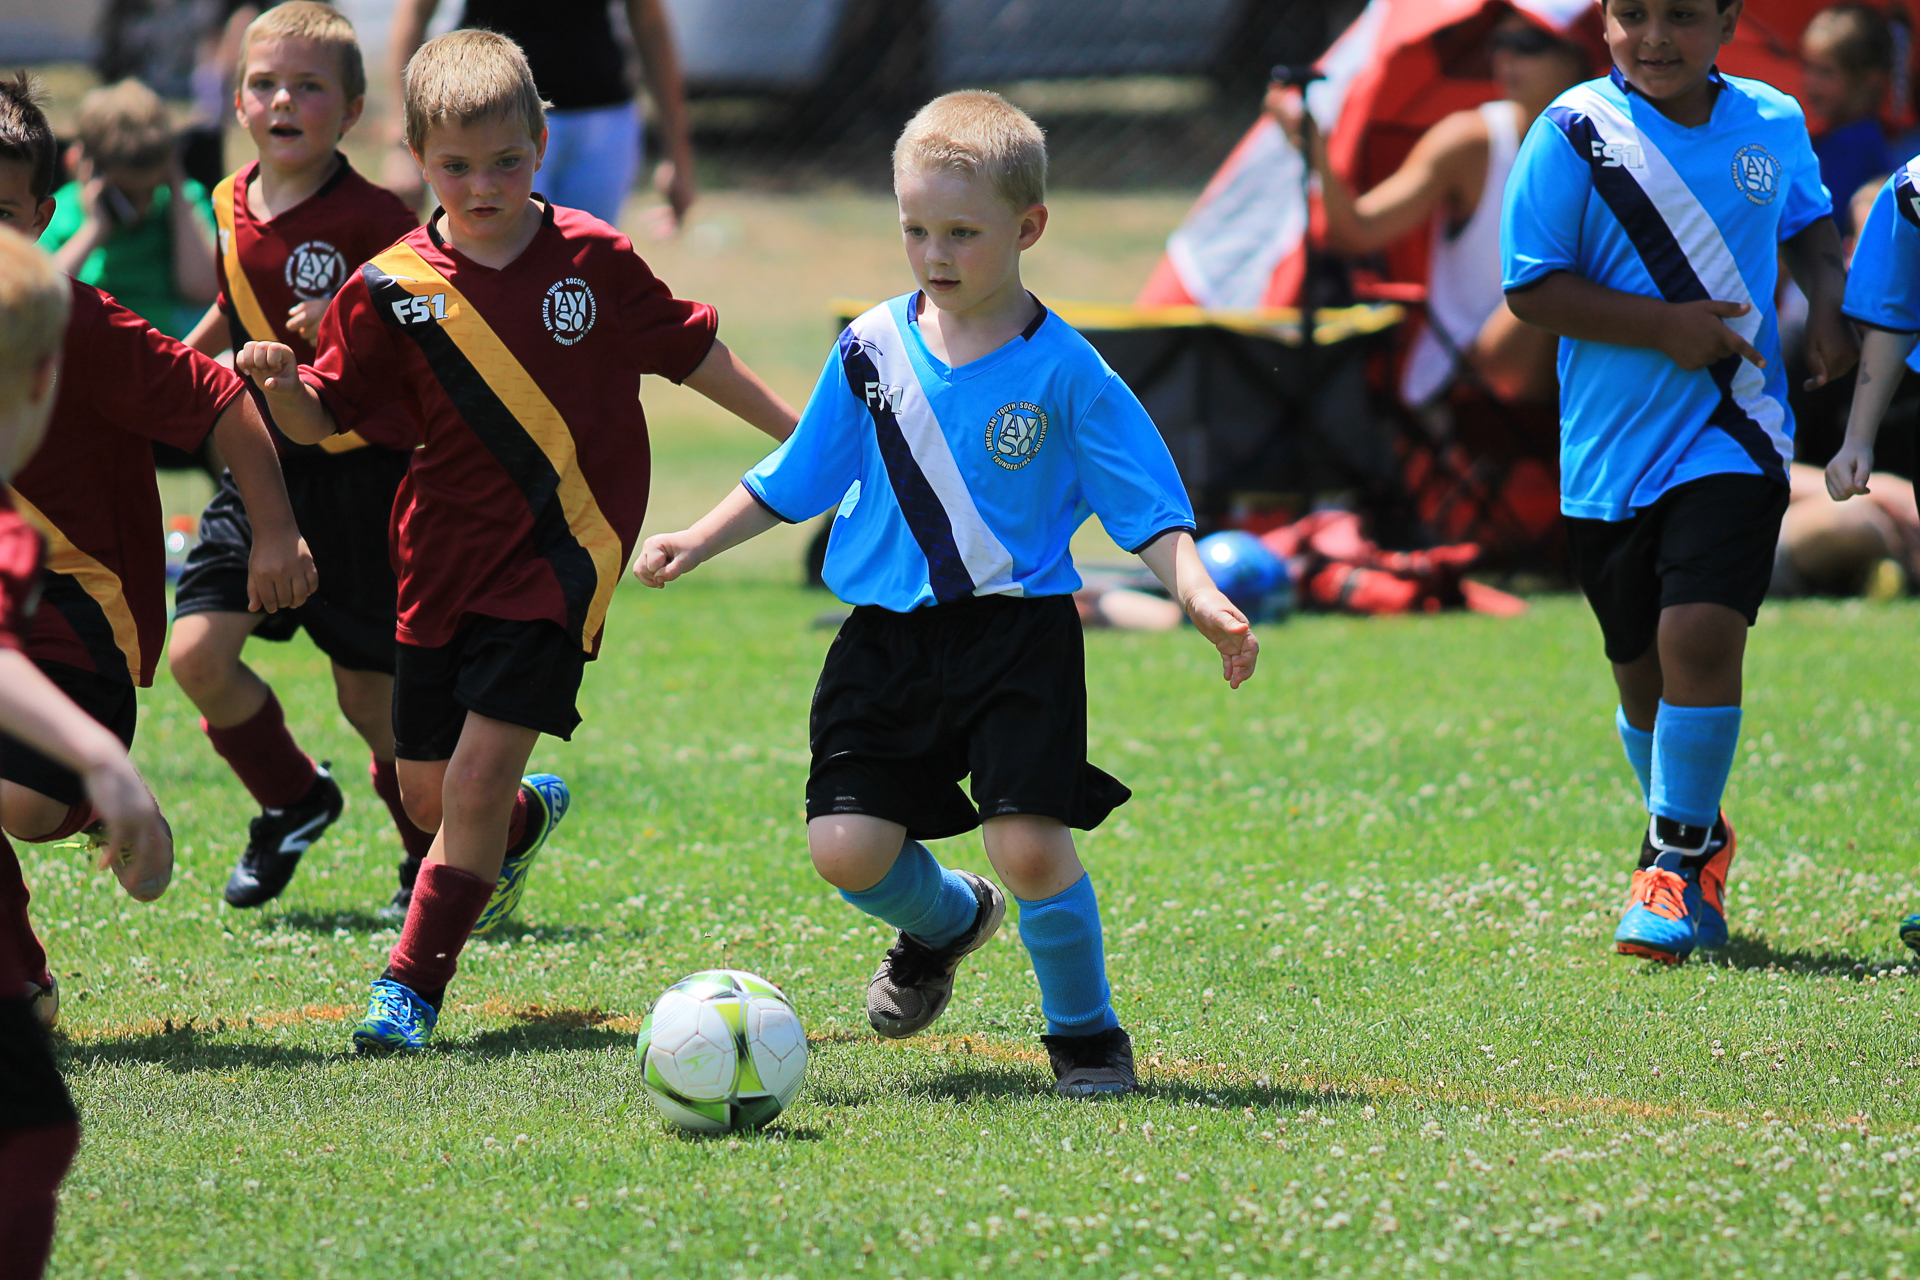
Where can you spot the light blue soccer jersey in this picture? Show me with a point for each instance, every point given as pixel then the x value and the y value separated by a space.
pixel 1883 286
pixel 1608 188
pixel 968 481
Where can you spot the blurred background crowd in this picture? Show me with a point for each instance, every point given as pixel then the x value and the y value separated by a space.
pixel 1284 217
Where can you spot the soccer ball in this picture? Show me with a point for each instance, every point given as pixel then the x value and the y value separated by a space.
pixel 722 1050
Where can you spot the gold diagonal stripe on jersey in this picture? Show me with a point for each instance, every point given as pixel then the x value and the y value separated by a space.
pixel 253 317
pixel 246 307
pixel 100 583
pixel 531 410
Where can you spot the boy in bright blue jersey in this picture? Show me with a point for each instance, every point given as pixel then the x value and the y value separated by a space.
pixel 965 432
pixel 1643 223
pixel 1883 297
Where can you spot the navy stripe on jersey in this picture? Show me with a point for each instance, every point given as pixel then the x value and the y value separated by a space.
pixel 63 593
pixel 507 441
pixel 1906 198
pixel 1672 274
pixel 926 519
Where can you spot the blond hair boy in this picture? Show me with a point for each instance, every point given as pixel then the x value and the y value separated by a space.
pixel 527 490
pixel 294 226
pixel 965 432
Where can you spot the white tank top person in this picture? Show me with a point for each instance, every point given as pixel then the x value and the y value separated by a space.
pixel 1463 281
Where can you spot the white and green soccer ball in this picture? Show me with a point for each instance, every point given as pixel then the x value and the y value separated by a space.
pixel 722 1050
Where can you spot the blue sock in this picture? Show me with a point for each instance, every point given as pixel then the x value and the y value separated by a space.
pixel 1639 745
pixel 920 897
pixel 1062 936
pixel 1692 755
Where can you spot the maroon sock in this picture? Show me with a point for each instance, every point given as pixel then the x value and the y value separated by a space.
pixel 32 1163
pixel 386 785
pixel 264 756
pixel 22 959
pixel 517 823
pixel 446 903
pixel 79 818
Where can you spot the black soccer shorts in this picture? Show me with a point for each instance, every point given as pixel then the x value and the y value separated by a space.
pixel 111 702
pixel 994 687
pixel 1708 541
pixel 343 504
pixel 525 673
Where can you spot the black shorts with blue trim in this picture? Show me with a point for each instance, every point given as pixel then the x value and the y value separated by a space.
pixel 343 504
pixel 1708 541
pixel 988 688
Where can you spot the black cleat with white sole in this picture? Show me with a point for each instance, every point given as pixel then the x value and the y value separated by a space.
pixel 278 837
pixel 1095 1066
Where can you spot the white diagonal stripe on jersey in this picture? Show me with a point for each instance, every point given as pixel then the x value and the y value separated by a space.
pixel 988 562
pixel 1698 236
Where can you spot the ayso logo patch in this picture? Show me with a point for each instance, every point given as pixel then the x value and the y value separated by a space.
pixel 568 310
pixel 1756 173
pixel 316 270
pixel 1015 434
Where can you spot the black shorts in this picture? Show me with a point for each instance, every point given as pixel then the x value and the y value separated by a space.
pixel 112 702
pixel 994 687
pixel 525 673
pixel 32 1094
pixel 1708 541
pixel 343 504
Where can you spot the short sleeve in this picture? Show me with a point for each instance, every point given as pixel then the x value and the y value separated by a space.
pixel 161 389
pixel 667 336
pixel 1883 286
pixel 353 370
pixel 1544 208
pixel 1808 199
pixel 816 465
pixel 1125 470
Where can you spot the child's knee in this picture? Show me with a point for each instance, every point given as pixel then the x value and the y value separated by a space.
pixel 198 665
pixel 27 815
pixel 420 792
pixel 853 852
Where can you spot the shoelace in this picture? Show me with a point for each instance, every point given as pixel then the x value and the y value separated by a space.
pixel 1660 891
pixel 909 963
pixel 394 1005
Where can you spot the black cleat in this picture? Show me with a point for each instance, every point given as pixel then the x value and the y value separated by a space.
pixel 395 912
pixel 278 837
pixel 915 981
pixel 1095 1066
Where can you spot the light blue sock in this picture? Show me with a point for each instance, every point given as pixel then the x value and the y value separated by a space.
pixel 1062 936
pixel 1639 745
pixel 920 897
pixel 1692 755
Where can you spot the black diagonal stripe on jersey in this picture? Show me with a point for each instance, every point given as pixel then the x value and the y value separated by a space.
pixel 516 451
pixel 63 593
pixel 1906 197
pixel 920 506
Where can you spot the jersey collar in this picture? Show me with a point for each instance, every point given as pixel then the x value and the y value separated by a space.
pixel 433 225
pixel 985 362
pixel 247 175
pixel 1625 85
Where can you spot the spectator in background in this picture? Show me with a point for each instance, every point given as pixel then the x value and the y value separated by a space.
pixel 130 223
pixel 1455 177
pixel 1846 53
pixel 594 138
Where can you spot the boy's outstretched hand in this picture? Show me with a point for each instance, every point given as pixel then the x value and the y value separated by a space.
pixel 139 847
pixel 666 556
pixel 1219 620
pixel 272 366
pixel 1851 468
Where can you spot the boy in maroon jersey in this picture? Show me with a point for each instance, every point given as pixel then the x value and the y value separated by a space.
pixel 90 490
pixel 38 1128
pixel 293 227
pixel 517 333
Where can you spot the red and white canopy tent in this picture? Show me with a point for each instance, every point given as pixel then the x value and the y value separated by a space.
pixel 1398 70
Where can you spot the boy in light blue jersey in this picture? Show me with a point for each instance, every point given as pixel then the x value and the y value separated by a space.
pixel 1883 297
pixel 965 432
pixel 1643 223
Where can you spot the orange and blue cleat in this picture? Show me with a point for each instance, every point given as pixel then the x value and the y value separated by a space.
pixel 1657 924
pixel 1707 886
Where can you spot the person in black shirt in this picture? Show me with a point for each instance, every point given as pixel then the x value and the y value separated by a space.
pixel 594 142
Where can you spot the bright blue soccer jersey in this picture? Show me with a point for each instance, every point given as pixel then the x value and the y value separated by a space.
pixel 1883 286
pixel 1608 188
pixel 969 481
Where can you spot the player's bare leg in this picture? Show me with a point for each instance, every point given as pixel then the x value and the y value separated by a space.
pixel 298 798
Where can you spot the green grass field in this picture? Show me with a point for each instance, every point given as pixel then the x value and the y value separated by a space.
pixel 1357 918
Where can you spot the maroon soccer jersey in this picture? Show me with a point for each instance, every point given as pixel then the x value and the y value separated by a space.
pixel 305 253
pixel 20 554
pixel 91 489
pixel 526 497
